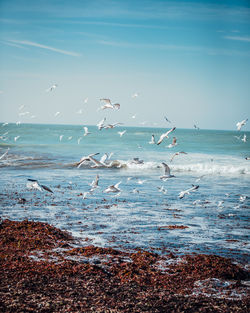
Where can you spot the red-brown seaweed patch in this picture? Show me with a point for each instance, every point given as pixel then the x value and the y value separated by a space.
pixel 122 282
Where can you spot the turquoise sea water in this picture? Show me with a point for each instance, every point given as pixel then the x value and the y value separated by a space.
pixel 216 214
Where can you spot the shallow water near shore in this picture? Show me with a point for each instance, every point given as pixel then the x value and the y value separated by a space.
pixel 214 219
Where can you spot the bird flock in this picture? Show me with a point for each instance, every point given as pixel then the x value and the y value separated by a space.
pixel 105 162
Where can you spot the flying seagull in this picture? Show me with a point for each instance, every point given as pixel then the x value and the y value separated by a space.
pixel 94 183
pixel 165 135
pixel 166 172
pixel 122 133
pixel 3 155
pixel 240 124
pixel 34 184
pixel 113 188
pixel 167 119
pixel 244 139
pixel 100 125
pixel 85 158
pixel 86 131
pixel 187 192
pixel 196 127
pixel 109 105
pixel 177 153
pixel 112 125
pixel 51 88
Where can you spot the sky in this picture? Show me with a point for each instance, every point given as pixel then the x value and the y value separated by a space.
pixel 186 60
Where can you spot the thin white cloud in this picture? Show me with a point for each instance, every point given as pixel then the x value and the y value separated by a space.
pixel 247 39
pixel 171 47
pixel 38 45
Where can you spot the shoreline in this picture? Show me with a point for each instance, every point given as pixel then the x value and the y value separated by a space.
pixel 44 270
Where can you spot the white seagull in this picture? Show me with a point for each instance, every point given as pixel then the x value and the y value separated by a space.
pixel 165 135
pixel 122 133
pixel 187 192
pixel 112 125
pixel 177 153
pixel 94 183
pixel 57 113
pixel 240 124
pixel 173 143
pixel 244 139
pixel 3 155
pixel 85 158
pixel 16 138
pixel 152 141
pixel 86 131
pixel 51 88
pixel 113 188
pixel 34 184
pixel 166 172
pixel 100 125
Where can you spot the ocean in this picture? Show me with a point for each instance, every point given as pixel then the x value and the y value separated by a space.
pixel 147 213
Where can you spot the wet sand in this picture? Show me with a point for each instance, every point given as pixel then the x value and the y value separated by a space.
pixel 44 269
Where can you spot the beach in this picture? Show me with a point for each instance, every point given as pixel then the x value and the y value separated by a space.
pixel 45 270
pixel 151 244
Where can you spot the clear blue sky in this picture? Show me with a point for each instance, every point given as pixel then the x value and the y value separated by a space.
pixel 187 60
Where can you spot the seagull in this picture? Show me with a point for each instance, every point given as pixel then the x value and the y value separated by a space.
pixel 177 153
pixel 199 178
pixel 196 127
pixel 21 107
pixel 86 131
pixel 247 158
pixel 116 106
pixel 104 158
pixel 152 141
pixel 244 139
pixel 61 137
pixel 135 95
pixel 173 143
pixel 137 161
pixel 18 123
pixel 94 183
pixel 100 125
pixel 70 137
pixel 166 172
pixel 109 105
pixel 100 163
pixel 133 116
pixel 112 125
pixel 237 137
pixel 3 155
pixel 240 124
pixel 113 188
pixel 78 140
pixel 122 133
pixel 187 192
pixel 17 137
pixel 85 158
pixel 162 189
pixel 86 100
pixel 85 194
pixel 23 113
pixel 165 135
pixel 167 119
pixel 34 184
pixel 57 113
pixel 51 88
pixel 4 124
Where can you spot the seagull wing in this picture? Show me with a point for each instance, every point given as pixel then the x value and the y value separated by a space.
pixel 166 168
pixel 170 131
pixel 46 188
pixel 104 158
